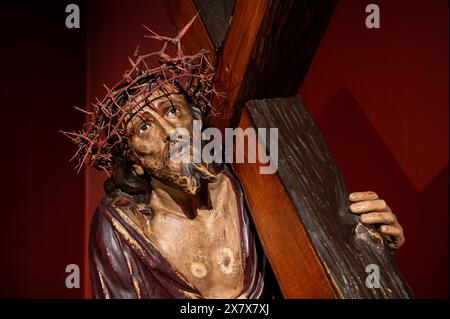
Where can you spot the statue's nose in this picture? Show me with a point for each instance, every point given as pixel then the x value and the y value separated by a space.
pixel 168 130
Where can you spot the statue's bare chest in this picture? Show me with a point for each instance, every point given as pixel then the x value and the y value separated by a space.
pixel 206 250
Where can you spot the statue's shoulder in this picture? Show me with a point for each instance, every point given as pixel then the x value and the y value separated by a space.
pixel 116 206
pixel 126 203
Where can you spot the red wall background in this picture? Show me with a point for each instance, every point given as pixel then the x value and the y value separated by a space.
pixel 380 98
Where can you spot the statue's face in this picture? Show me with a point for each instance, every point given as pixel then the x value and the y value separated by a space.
pixel 151 129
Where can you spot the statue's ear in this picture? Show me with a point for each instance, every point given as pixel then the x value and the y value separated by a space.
pixel 138 169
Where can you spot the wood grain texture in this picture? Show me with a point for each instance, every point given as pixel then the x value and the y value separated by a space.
pixel 216 17
pixel 309 180
pixel 235 57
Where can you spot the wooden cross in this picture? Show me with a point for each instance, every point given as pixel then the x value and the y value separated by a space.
pixel 262 50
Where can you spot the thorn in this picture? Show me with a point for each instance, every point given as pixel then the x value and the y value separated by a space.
pixel 186 28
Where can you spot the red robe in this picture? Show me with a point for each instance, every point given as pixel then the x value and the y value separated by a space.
pixel 125 264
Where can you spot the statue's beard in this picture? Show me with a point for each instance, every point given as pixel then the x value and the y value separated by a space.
pixel 186 176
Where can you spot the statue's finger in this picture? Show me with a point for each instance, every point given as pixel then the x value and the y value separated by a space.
pixel 362 196
pixel 377 205
pixel 378 218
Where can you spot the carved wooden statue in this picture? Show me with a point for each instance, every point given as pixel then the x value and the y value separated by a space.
pixel 201 229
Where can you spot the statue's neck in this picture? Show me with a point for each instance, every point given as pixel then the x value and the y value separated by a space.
pixel 178 201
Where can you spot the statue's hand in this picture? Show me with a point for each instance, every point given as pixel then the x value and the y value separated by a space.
pixel 375 211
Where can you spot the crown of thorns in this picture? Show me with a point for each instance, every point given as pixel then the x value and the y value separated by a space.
pixel 104 128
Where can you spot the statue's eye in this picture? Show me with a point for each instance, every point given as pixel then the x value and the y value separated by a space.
pixel 173 111
pixel 143 128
